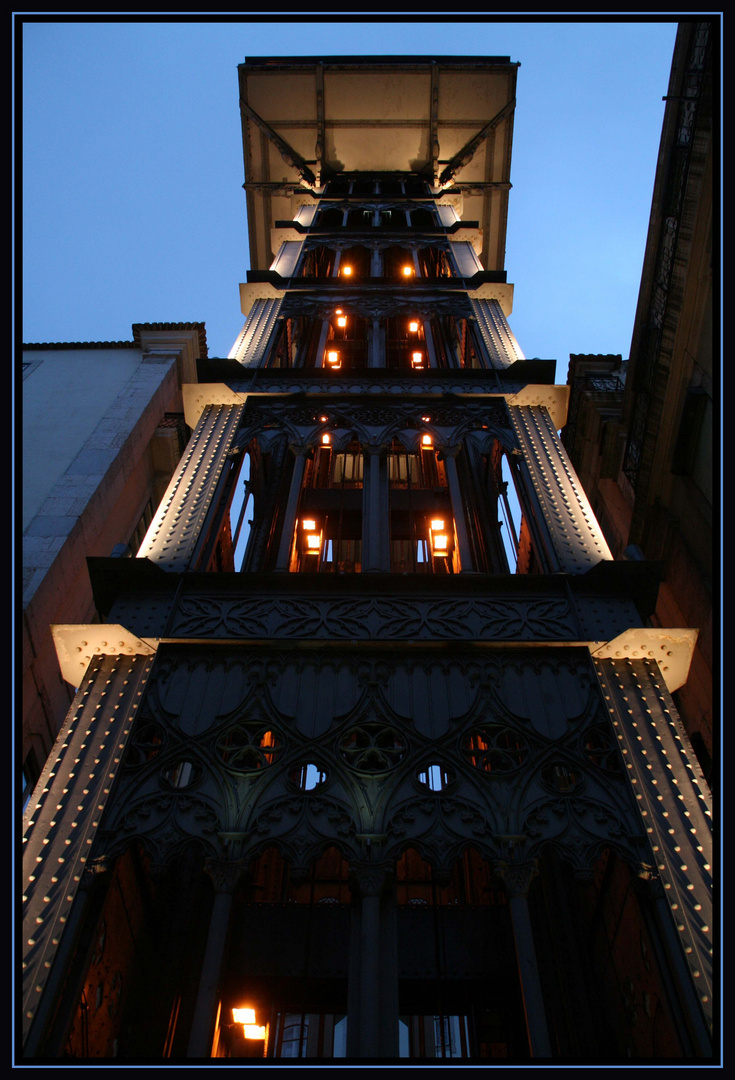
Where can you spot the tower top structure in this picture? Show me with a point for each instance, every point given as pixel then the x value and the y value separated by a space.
pixel 447 121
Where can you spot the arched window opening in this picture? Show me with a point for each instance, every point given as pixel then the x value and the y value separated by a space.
pixel 328 536
pixel 360 218
pixel 518 536
pixel 472 882
pixel 405 345
pixel 442 919
pixel 422 218
pixel 354 264
pixel 295 344
pixel 317 262
pixel 456 343
pixel 241 514
pixel 422 536
pixel 287 928
pixel 434 262
pixel 331 217
pixel 399 264
pixel 346 346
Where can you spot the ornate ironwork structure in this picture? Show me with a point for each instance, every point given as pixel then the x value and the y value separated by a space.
pixel 358 754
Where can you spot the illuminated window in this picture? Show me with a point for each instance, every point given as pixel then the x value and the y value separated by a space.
pixel 418 498
pixel 399 264
pixel 347 344
pixel 406 347
pixel 329 529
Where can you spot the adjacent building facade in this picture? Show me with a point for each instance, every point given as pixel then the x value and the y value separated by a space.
pixel 640 432
pixel 103 430
pixel 364 762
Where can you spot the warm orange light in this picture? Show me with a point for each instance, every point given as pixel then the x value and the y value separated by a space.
pixel 426 440
pixel 338 311
pixel 441 543
pixel 323 419
pixel 407 271
pixel 313 542
pixel 342 320
pixel 346 270
pixel 332 356
pixel 326 440
pixel 426 419
pixel 437 524
pixel 413 326
pixel 253 1031
pixel 310 525
pixel 243 1016
pixel 417 359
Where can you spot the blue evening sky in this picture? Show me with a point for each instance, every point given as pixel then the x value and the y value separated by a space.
pixel 133 208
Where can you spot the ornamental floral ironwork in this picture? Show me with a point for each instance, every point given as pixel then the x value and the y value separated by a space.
pixel 248 747
pixel 372 747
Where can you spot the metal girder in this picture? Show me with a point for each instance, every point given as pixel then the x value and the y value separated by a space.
pixel 60 824
pixel 174 533
pixel 576 537
pixel 500 342
pixel 465 155
pixel 675 807
pixel 250 347
pixel 287 152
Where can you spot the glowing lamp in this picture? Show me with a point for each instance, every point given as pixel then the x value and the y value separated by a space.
pixel 243 1016
pixel 417 359
pixel 346 270
pixel 342 320
pixel 439 538
pixel 310 525
pixel 326 440
pixel 413 326
pixel 253 1031
pixel 426 440
pixel 407 271
pixel 313 543
pixel 338 311
pixel 333 357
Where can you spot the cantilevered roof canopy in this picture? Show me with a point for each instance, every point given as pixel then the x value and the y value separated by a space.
pixel 306 120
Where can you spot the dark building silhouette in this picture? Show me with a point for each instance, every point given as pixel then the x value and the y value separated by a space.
pixel 374 753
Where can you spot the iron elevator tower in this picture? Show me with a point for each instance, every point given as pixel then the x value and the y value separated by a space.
pixel 373 740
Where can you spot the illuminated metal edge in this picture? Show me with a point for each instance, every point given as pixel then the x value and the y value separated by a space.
pixel 61 821
pixel 174 531
pixel 578 540
pixel 674 802
pixel 554 398
pixel 198 395
pixel 76 645
pixel 252 343
pixel 499 339
pixel 671 649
